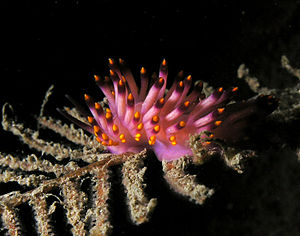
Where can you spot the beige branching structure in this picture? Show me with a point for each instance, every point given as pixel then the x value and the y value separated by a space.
pixel 285 63
pixel 9 218
pixel 41 212
pixel 33 171
pixel 68 180
pixel 100 212
pixel 88 213
pixel 184 183
pixel 140 207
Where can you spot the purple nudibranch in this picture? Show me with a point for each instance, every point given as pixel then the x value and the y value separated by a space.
pixel 149 117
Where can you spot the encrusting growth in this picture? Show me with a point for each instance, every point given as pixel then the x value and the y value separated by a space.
pixel 100 212
pixel 10 220
pixel 182 126
pixel 184 183
pixel 133 174
pixel 40 208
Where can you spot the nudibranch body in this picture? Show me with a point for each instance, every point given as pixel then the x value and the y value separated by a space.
pixel 152 117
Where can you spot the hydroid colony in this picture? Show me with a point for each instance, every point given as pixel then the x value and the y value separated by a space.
pixel 181 126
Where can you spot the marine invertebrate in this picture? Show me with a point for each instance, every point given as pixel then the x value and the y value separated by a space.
pixel 182 126
pixel 163 121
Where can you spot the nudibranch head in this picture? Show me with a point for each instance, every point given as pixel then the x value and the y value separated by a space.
pixel 162 120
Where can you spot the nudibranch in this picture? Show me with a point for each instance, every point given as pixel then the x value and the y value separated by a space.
pixel 162 120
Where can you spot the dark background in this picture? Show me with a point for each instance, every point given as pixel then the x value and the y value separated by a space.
pixel 65 42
